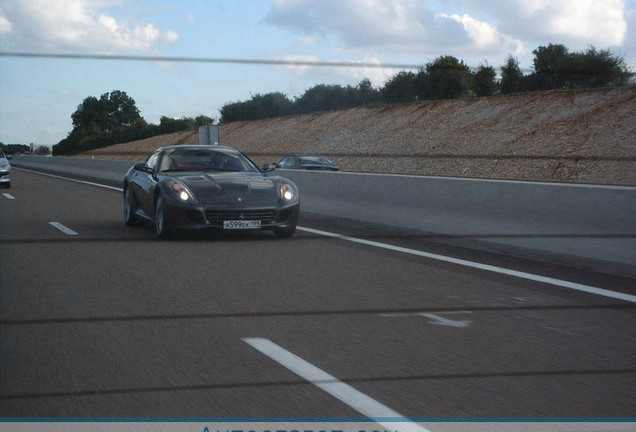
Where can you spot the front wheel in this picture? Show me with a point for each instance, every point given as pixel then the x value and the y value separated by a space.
pixel 130 217
pixel 161 226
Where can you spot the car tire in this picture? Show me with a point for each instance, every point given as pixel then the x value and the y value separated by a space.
pixel 285 232
pixel 161 225
pixel 130 217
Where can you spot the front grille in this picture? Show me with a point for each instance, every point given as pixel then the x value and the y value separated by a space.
pixel 216 217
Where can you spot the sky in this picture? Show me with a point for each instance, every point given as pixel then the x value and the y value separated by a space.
pixel 38 95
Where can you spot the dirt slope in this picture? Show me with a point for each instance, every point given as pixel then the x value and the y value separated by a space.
pixel 584 136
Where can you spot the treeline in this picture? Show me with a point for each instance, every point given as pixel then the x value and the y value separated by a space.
pixel 446 78
pixel 114 118
pixel 14 148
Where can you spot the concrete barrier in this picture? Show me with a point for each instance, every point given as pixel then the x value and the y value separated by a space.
pixel 582 225
pixel 111 172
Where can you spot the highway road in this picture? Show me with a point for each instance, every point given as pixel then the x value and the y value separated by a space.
pixel 102 320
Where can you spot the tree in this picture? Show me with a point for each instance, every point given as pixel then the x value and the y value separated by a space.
pixel 14 148
pixel 270 105
pixel 202 120
pixel 548 62
pixel 401 87
pixel 511 76
pixel 325 98
pixel 484 81
pixel 593 68
pixel 259 106
pixel 110 111
pixel 447 78
pixel 555 67
pixel 365 93
pixel 121 109
pixel 91 110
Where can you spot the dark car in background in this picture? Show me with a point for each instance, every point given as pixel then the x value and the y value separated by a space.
pixel 307 162
pixel 203 187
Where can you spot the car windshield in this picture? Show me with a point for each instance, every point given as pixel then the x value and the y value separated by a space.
pixel 205 160
pixel 315 160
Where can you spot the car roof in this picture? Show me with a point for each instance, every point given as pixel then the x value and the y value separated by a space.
pixel 306 155
pixel 197 146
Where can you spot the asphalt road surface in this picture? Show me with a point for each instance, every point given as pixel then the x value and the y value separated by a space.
pixel 102 320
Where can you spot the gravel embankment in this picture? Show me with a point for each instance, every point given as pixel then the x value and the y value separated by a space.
pixel 583 136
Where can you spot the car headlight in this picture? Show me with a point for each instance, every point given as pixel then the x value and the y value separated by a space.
pixel 287 192
pixel 183 193
pixel 179 192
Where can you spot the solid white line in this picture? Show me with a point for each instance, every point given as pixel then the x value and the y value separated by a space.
pixel 362 403
pixel 485 267
pixel 8 196
pixel 71 179
pixel 64 229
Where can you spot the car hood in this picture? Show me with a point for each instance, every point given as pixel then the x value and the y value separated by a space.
pixel 235 188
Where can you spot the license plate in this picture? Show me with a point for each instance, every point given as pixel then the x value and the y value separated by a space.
pixel 240 225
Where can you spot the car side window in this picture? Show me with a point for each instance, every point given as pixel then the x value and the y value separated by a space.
pixel 152 161
pixel 286 162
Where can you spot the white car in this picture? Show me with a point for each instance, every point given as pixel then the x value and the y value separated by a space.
pixel 5 170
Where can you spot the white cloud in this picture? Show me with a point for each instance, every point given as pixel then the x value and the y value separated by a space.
pixel 466 28
pixel 600 22
pixel 357 23
pixel 169 37
pixel 484 35
pixel 5 25
pixel 402 26
pixel 297 63
pixel 350 74
pixel 79 25
pixel 576 23
pixel 377 75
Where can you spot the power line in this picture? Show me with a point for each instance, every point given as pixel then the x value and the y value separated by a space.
pixel 275 62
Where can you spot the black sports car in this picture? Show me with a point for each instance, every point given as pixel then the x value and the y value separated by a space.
pixel 204 187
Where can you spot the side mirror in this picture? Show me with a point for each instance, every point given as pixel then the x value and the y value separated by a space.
pixel 143 168
pixel 9 157
pixel 269 167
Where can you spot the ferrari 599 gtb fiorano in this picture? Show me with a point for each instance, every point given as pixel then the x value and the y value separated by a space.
pixel 203 187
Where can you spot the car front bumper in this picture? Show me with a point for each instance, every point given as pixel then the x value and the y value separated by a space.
pixel 193 218
pixel 5 177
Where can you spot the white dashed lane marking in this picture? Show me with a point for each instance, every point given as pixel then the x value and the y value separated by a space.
pixel 62 228
pixel 357 400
